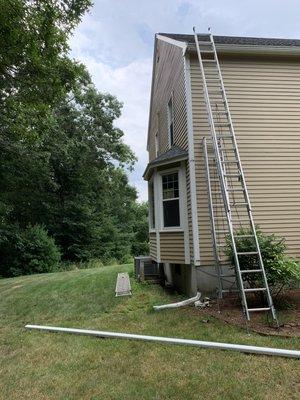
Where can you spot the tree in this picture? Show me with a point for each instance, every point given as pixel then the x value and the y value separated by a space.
pixel 140 244
pixel 64 162
pixel 35 70
pixel 91 191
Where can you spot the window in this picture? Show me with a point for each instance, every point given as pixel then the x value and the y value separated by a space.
pixel 156 144
pixel 170 198
pixel 151 205
pixel 171 122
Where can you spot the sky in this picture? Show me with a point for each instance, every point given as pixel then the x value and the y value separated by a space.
pixel 115 41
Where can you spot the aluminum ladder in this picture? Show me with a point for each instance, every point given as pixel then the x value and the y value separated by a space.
pixel 218 218
pixel 233 189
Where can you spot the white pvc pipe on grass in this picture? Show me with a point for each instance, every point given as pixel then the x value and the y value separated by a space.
pixel 180 303
pixel 199 343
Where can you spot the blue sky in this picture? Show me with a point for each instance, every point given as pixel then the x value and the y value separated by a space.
pixel 115 42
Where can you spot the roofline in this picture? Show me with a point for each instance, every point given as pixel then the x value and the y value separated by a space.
pixel 232 49
pixel 252 49
pixel 183 46
pixel 153 165
pixel 151 90
pixel 178 43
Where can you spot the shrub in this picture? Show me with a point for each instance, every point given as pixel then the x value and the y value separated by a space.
pixel 27 251
pixel 281 270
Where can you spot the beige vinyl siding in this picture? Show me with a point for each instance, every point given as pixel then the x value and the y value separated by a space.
pixel 264 99
pixel 153 245
pixel 168 79
pixel 172 247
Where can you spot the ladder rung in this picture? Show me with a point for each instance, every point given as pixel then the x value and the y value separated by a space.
pixel 230 290
pixel 225 150
pixel 221 245
pixel 219 101
pixel 224 136
pixel 247 253
pixel 238 204
pixel 229 162
pixel 244 236
pixel 232 175
pixel 259 309
pixel 211 80
pixel 214 61
pixel 241 220
pixel 203 42
pixel 207 51
pixel 250 271
pixel 237 189
pixel 221 231
pixel 222 124
pixel 259 289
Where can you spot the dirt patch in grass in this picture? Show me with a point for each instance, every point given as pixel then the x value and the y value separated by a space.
pixel 228 310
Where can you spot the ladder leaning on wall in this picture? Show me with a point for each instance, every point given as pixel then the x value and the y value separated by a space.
pixel 229 204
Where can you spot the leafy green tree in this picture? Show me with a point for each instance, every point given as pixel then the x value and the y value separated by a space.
pixel 140 244
pixel 63 162
pixel 35 69
pixel 27 251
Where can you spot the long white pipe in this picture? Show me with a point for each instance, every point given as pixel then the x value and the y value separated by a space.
pixel 211 345
pixel 180 303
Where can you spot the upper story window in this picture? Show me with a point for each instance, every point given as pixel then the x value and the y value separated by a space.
pixel 156 144
pixel 151 204
pixel 170 198
pixel 171 121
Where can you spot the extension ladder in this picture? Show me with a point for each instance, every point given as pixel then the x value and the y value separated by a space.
pixel 232 209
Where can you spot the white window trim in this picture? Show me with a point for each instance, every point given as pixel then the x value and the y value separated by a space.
pixel 181 186
pixel 192 174
pixel 170 118
pixel 152 229
pixel 158 209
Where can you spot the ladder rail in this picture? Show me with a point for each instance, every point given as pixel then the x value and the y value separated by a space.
pixel 229 118
pixel 209 110
pixel 221 171
pixel 212 219
pixel 212 127
pixel 246 193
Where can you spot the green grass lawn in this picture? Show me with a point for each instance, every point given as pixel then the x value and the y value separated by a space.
pixel 37 365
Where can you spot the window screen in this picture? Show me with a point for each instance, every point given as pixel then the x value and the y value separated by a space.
pixel 171 122
pixel 170 189
pixel 151 205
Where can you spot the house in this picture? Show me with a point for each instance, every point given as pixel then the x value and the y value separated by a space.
pixel 262 82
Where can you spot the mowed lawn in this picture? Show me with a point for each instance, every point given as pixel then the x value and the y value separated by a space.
pixel 37 365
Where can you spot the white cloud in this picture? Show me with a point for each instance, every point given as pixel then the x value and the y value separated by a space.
pixel 131 85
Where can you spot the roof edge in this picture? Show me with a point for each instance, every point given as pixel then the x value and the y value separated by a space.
pixel 174 42
pixel 178 43
pixel 154 164
pixel 151 90
pixel 252 49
